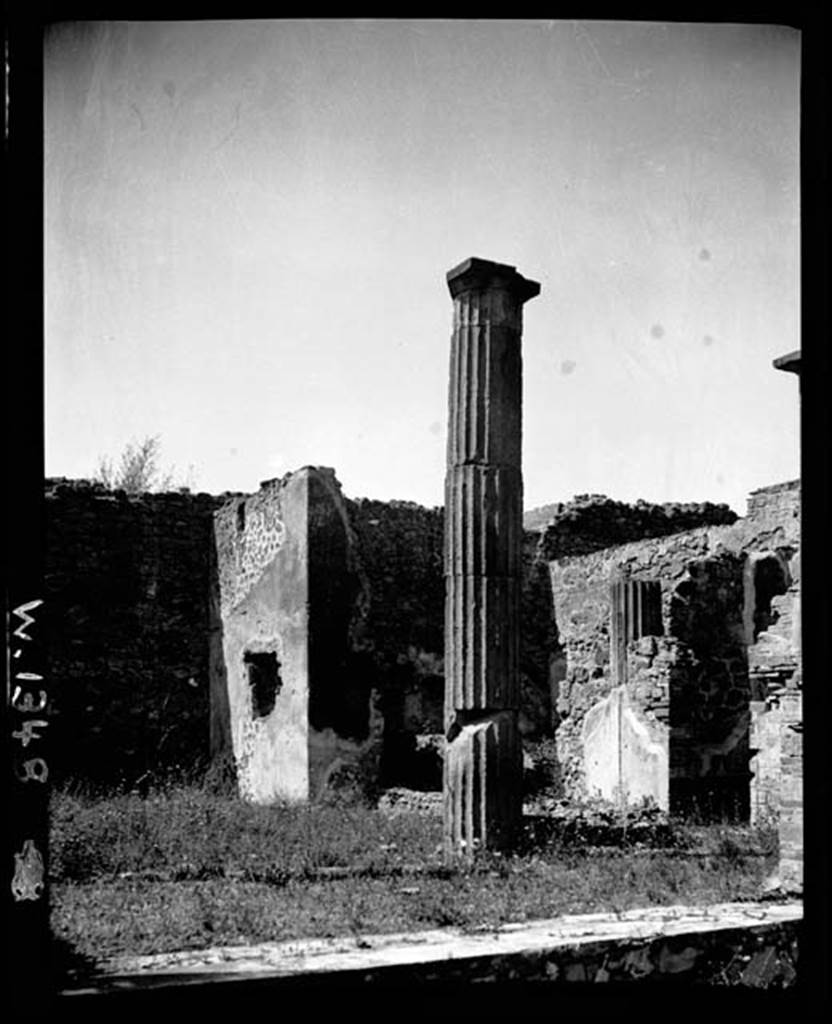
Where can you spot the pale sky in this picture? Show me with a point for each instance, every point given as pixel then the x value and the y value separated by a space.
pixel 248 227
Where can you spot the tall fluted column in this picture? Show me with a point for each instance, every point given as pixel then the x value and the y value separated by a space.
pixel 483 538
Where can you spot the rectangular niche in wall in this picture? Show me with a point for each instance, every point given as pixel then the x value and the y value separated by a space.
pixel 264 680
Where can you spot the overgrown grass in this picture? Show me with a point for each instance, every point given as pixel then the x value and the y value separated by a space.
pixel 187 868
pixel 189 834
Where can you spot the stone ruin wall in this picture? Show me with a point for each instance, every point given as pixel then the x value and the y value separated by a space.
pixel 703 683
pixel 397 631
pixel 136 592
pixel 259 656
pixel 776 674
pixel 135 589
pixel 658 665
pixel 592 522
pixel 127 585
pixel 354 594
pixel 778 503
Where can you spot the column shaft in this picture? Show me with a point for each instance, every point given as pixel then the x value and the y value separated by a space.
pixel 483 543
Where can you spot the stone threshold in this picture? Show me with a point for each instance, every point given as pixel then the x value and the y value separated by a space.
pixel 433 949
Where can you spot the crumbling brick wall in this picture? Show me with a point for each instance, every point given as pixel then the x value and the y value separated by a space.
pixel 774 652
pixel 248 536
pixel 778 503
pixel 708 615
pixel 542 660
pixel 591 522
pixel 290 592
pixel 709 711
pixel 398 628
pixel 696 677
pixel 127 585
pixel 400 554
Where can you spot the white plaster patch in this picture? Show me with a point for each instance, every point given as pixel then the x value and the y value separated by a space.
pixel 644 762
pixel 621 757
pixel 600 744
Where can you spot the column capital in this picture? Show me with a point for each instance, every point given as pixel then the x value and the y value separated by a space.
pixel 475 274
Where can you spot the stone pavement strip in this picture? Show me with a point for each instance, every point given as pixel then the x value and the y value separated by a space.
pixel 304 956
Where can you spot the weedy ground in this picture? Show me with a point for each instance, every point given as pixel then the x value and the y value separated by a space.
pixel 182 867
